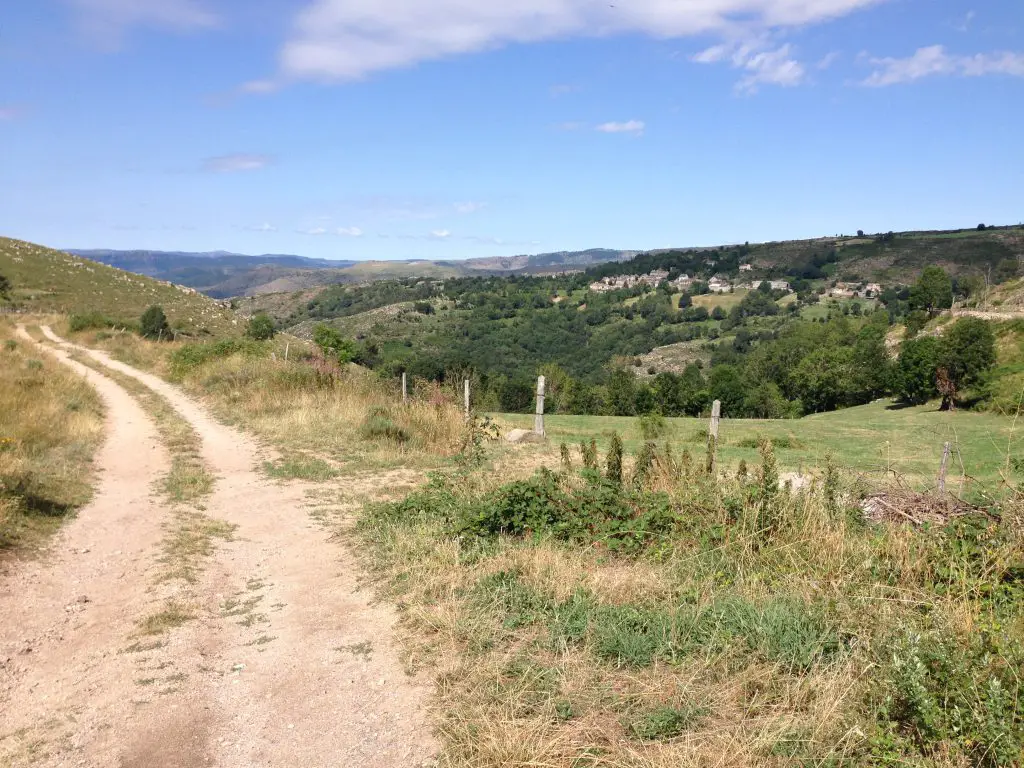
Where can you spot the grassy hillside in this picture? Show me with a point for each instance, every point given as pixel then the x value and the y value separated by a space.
pixel 45 280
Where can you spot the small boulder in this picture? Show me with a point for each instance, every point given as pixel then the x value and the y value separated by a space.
pixel 523 436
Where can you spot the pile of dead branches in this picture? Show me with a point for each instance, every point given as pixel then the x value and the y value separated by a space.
pixel 902 505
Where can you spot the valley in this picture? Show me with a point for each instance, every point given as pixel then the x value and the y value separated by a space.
pixel 267 555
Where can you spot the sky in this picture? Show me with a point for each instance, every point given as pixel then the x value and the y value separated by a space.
pixel 446 129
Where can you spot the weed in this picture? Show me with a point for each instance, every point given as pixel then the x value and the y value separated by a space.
pixel 666 722
pixel 300 467
pixel 173 615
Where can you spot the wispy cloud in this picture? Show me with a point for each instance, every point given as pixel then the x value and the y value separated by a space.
pixel 571 126
pixel 440 234
pixel 264 227
pixel 106 21
pixel 469 207
pixel 635 127
pixel 828 60
pixel 236 163
pixel 11 113
pixel 349 231
pixel 935 60
pixel 761 63
pixel 336 40
pixel 315 231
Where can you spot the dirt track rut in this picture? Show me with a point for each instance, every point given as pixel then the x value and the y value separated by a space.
pixel 286 662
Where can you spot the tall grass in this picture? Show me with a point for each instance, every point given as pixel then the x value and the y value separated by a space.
pixel 51 422
pixel 310 404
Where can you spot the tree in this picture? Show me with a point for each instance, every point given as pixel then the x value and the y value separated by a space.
pixel 860 233
pixel 726 384
pixel 967 354
pixel 260 327
pixel 333 344
pixel 516 397
pixel 982 227
pixel 767 402
pixel 933 291
pixel 5 287
pixel 914 379
pixel 718 313
pixel 153 323
pixel 823 379
pixel 621 393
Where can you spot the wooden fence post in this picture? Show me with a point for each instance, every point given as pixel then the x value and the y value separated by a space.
pixel 466 397
pixel 287 347
pixel 405 388
pixel 538 421
pixel 716 413
pixel 942 470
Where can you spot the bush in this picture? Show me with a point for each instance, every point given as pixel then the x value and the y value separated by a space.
pixel 153 323
pixel 652 426
pixel 260 327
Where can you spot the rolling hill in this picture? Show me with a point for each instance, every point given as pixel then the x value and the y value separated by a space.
pixel 45 280
pixel 222 275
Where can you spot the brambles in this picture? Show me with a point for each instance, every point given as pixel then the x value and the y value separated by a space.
pixel 613 461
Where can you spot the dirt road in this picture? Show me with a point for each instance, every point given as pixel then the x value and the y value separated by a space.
pixel 283 663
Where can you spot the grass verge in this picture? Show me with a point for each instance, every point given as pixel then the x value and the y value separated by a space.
pixel 51 423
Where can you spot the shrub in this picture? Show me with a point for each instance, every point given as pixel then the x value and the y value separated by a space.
pixel 333 345
pixel 260 327
pixel 652 426
pixel 153 323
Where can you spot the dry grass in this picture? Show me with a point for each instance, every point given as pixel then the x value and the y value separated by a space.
pixel 51 423
pixel 323 414
pixel 482 617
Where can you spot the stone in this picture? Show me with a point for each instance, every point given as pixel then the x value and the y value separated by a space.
pixel 523 436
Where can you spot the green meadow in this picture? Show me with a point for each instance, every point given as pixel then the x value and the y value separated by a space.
pixel 877 440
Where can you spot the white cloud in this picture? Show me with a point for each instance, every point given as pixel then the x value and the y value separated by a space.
pixel 106 21
pixel 935 60
pixel 760 63
pixel 349 231
pixel 235 163
pixel 264 227
pixel 313 231
pixel 828 60
pixel 349 39
pixel 635 127
pixel 570 126
pixel 440 234
pixel 469 207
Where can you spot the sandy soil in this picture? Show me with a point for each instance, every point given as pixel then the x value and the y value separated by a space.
pixel 286 663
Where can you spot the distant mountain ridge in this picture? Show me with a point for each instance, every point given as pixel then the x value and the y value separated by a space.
pixel 222 274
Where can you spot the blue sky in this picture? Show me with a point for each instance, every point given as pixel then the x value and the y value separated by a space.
pixel 456 128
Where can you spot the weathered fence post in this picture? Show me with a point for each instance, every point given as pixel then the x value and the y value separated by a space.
pixel 716 413
pixel 287 347
pixel 538 421
pixel 466 397
pixel 405 388
pixel 942 469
